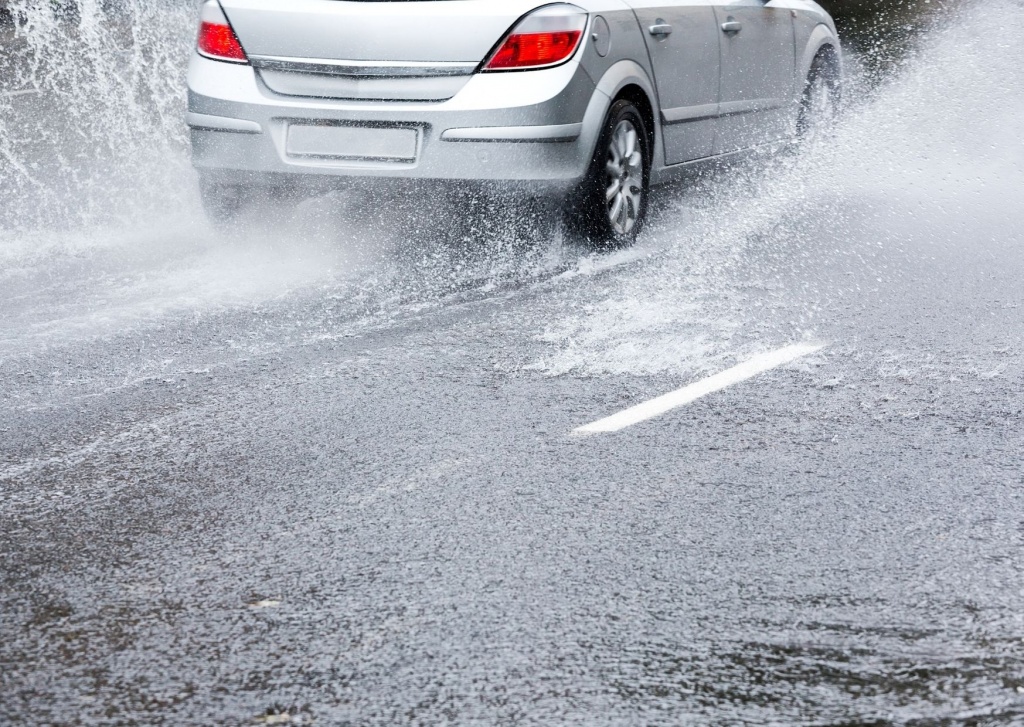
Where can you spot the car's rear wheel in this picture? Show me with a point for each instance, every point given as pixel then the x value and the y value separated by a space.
pixel 819 107
pixel 611 206
pixel 226 204
pixel 222 203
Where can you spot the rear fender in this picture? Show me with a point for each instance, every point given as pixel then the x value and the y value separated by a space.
pixel 616 78
pixel 820 37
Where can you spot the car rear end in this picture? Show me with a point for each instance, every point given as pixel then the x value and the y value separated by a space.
pixel 282 91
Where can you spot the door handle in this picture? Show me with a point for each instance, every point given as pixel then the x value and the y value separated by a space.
pixel 732 26
pixel 661 28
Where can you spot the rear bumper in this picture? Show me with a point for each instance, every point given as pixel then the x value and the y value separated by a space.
pixel 527 129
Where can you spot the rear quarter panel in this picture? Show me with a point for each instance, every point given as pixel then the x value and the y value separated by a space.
pixel 813 28
pixel 626 63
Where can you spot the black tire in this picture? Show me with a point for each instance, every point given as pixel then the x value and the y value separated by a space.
pixel 223 203
pixel 822 99
pixel 226 204
pixel 610 207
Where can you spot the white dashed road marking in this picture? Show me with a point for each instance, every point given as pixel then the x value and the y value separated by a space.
pixel 688 394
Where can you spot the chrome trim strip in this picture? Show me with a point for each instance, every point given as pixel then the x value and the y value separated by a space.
pixel 222 123
pixel 516 134
pixel 711 111
pixel 690 113
pixel 736 108
pixel 363 69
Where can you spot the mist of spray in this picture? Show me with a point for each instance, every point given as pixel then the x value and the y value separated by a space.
pixel 98 193
pixel 92 113
pixel 765 255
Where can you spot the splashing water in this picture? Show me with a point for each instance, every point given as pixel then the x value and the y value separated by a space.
pixel 101 227
pixel 757 254
pixel 92 107
pixel 102 230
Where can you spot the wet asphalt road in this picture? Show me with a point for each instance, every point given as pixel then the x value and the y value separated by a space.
pixel 349 495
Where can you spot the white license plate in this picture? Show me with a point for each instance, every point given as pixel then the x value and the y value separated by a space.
pixel 359 143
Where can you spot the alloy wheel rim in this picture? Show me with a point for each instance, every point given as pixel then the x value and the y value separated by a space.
pixel 625 178
pixel 820 108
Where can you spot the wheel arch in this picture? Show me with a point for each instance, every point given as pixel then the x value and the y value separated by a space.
pixel 625 79
pixel 636 95
pixel 822 40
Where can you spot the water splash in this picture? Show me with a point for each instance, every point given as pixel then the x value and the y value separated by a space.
pixel 102 231
pixel 92 110
pixel 766 254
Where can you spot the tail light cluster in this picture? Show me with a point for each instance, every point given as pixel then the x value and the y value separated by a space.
pixel 545 38
pixel 217 38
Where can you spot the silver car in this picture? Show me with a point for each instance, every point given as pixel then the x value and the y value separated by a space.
pixel 594 101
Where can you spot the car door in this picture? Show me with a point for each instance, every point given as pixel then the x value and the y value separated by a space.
pixel 758 66
pixel 682 39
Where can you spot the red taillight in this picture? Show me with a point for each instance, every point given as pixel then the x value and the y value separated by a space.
pixel 527 50
pixel 544 38
pixel 216 37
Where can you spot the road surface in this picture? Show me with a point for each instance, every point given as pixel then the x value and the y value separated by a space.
pixel 325 470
